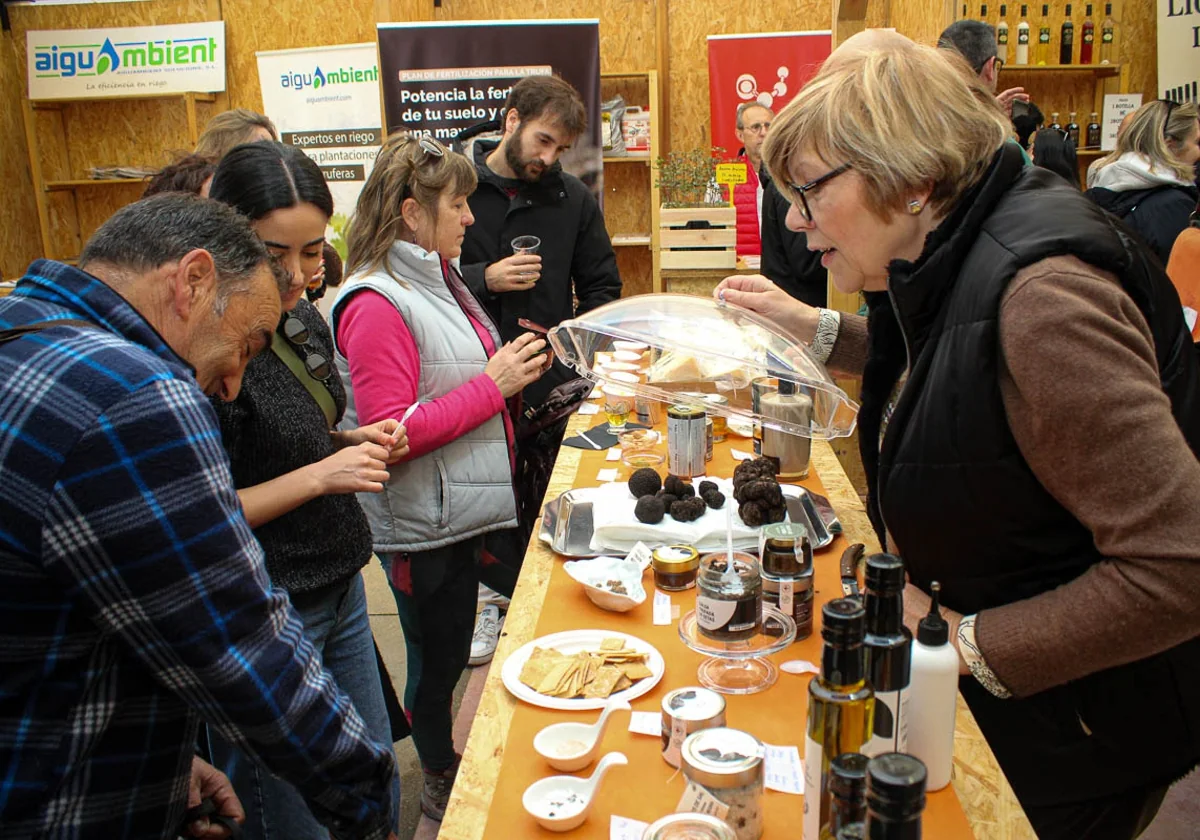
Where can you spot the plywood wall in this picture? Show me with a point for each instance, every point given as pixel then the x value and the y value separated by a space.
pixel 144 132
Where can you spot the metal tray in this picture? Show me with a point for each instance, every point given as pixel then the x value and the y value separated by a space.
pixel 567 521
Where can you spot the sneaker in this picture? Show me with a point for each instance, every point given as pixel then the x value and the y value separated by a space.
pixel 435 795
pixel 487 635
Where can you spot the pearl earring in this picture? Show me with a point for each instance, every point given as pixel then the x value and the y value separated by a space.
pixel 914 207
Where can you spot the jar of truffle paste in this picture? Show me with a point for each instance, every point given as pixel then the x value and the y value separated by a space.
pixel 688 710
pixel 675 567
pixel 728 763
pixel 689 826
pixel 729 603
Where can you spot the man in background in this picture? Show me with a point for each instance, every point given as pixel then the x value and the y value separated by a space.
pixel 753 123
pixel 523 191
pixel 975 41
pixel 139 602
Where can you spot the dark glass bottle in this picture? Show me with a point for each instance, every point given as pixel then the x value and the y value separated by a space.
pixel 1073 129
pixel 889 653
pixel 1093 132
pixel 1087 36
pixel 1066 42
pixel 848 793
pixel 895 797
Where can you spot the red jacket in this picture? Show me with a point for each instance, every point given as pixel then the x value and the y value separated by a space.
pixel 745 200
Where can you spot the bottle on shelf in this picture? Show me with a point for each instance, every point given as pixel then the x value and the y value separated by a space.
pixel 1093 132
pixel 841 705
pixel 964 14
pixel 1023 37
pixel 1066 39
pixel 895 797
pixel 888 645
pixel 1087 34
pixel 983 13
pixel 1108 36
pixel 1073 130
pixel 1002 35
pixel 848 793
pixel 1042 48
pixel 1054 123
pixel 933 695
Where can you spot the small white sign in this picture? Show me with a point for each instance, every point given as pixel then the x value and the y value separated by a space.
pixel 125 61
pixel 662 608
pixel 640 554
pixel 622 828
pixel 589 408
pixel 646 723
pixel 613 454
pixel 782 769
pixel 607 475
pixel 1116 106
pixel 739 455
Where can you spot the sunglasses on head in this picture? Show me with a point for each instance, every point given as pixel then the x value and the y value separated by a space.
pixel 1171 106
pixel 297 335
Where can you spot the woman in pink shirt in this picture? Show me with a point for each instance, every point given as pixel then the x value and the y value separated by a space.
pixel 412 342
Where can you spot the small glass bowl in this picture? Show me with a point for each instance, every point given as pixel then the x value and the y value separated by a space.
pixel 638 458
pixel 639 439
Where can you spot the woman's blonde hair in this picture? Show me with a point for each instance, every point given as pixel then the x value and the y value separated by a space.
pixel 904 116
pixel 1150 133
pixel 404 168
pixel 229 129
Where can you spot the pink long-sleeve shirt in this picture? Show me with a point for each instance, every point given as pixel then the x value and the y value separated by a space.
pixel 385 368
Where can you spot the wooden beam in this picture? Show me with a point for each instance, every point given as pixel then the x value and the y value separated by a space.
pixel 662 42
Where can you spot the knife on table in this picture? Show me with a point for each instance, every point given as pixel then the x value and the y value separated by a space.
pixel 849 567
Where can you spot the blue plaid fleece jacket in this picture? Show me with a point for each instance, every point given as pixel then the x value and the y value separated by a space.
pixel 134 600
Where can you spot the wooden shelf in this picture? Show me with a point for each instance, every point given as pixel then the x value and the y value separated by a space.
pixel 633 74
pixel 1081 69
pixel 626 240
pixel 55 186
pixel 53 104
pixel 642 159
pixel 1092 152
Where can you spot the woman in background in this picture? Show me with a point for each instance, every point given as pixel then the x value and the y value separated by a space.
pixel 1149 181
pixel 296 477
pixel 233 128
pixel 1052 149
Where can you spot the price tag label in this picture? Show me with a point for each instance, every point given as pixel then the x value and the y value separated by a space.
pixel 786 591
pixel 607 475
pixel 662 608
pixel 589 408
pixel 696 799
pixel 640 554
pixel 613 454
pixel 678 733
pixel 783 770
pixel 739 455
pixel 623 828
pixel 646 723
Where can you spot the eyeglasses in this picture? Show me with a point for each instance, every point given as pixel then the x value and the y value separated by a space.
pixel 1171 106
pixel 296 332
pixel 999 65
pixel 757 128
pixel 802 191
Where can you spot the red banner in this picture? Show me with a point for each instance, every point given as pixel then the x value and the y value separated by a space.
pixel 767 68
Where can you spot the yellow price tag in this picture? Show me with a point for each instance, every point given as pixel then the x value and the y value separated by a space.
pixel 731 174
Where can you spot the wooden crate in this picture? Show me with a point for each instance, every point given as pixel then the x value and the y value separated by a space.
pixel 711 247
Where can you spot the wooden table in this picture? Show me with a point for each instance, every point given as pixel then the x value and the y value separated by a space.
pixel 990 806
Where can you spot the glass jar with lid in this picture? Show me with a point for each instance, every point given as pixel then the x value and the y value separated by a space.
pixel 689 826
pixel 729 601
pixel 728 763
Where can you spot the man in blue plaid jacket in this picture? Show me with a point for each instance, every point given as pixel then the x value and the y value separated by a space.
pixel 134 601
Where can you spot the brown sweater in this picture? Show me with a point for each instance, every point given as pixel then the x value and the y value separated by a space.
pixel 1081 390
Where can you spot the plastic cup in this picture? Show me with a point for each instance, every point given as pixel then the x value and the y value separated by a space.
pixel 526 245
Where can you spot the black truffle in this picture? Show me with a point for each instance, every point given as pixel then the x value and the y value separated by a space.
pixel 768 492
pixel 688 510
pixel 675 486
pixel 714 498
pixel 688 491
pixel 705 486
pixel 668 499
pixel 644 482
pixel 649 509
pixel 752 513
pixel 758 469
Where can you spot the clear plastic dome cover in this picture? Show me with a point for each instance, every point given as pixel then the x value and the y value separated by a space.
pixel 682 347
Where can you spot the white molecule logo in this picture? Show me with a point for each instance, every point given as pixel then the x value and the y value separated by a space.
pixel 747 88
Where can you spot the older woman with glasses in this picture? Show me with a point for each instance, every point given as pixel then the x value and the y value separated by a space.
pixel 1149 180
pixel 1030 407
pixel 296 477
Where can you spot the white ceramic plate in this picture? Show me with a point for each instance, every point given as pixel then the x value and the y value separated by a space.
pixel 573 641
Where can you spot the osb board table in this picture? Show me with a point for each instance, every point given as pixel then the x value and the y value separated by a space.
pixel 492 766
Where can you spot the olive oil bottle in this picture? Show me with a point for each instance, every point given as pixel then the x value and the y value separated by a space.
pixel 841 707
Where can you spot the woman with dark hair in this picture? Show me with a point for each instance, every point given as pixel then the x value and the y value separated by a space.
pixel 295 475
pixel 1052 149
pixel 189 173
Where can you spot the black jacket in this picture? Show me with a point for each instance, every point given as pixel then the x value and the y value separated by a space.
pixel 786 260
pixel 967 511
pixel 577 255
pixel 1159 215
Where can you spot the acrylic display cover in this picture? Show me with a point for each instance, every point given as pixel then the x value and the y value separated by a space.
pixel 681 349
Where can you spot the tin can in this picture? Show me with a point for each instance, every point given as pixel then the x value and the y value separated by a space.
pixel 758 387
pixel 649 412
pixel 708 439
pixel 688 710
pixel 686 445
pixel 689 826
pixel 728 764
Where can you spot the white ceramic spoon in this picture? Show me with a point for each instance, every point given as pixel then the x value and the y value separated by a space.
pixel 572 746
pixel 561 803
